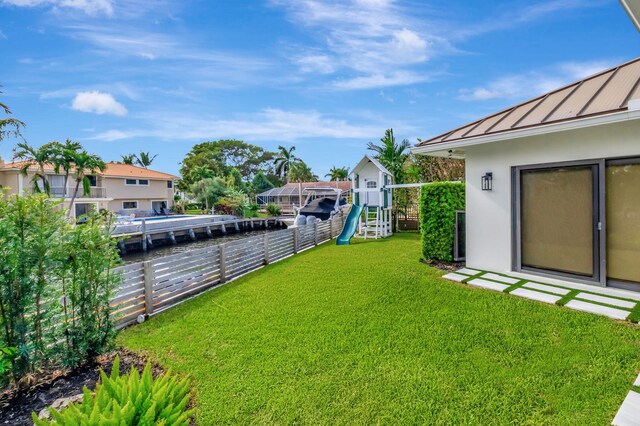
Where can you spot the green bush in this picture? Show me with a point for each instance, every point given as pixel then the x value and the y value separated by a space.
pixel 55 283
pixel 128 400
pixel 438 203
pixel 273 209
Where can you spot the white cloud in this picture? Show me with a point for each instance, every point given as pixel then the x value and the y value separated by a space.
pixel 361 36
pixel 534 83
pixel 397 78
pixel 98 103
pixel 269 124
pixel 90 7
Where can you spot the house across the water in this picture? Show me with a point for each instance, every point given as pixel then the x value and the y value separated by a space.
pixel 553 184
pixel 121 188
pixel 292 194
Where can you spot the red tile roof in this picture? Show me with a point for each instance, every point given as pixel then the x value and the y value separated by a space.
pixel 113 170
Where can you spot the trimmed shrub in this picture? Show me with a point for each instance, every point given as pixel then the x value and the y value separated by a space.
pixel 438 203
pixel 128 400
pixel 273 209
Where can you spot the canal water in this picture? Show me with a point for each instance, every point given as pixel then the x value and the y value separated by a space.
pixel 165 248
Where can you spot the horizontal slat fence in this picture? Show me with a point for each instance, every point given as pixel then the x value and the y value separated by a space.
pixel 157 284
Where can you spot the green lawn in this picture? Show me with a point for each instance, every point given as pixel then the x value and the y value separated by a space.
pixel 366 334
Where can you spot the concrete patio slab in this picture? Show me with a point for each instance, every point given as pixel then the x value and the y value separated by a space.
pixel 468 271
pixel 547 288
pixel 598 309
pixel 536 295
pixel 496 277
pixel 479 282
pixel 455 277
pixel 629 412
pixel 607 300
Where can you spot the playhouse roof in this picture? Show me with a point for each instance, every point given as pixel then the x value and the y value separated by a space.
pixel 369 159
pixel 604 93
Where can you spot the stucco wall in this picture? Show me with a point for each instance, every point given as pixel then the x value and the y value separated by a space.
pixel 489 212
pixel 144 195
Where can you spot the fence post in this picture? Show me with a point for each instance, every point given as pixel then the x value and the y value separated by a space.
pixel 315 232
pixel 295 240
pixel 148 287
pixel 223 265
pixel 266 248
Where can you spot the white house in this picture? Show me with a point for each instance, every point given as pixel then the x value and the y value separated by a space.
pixel 369 180
pixel 553 184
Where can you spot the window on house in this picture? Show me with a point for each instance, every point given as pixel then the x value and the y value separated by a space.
pixel 372 184
pixel 144 182
pixel 92 180
pixel 129 204
pixel 130 182
pixel 169 184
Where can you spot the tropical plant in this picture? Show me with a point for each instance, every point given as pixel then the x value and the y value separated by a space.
pixel 208 190
pixel 129 159
pixel 144 159
pixel 273 209
pixel 7 355
pixel 233 203
pixel 222 155
pixel 85 165
pixel 132 399
pixel 338 173
pixel 301 172
pixel 9 127
pixel 199 173
pixel 62 157
pixel 284 160
pixel 39 158
pixel 391 154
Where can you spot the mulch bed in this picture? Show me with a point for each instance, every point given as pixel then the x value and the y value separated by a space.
pixel 445 266
pixel 17 404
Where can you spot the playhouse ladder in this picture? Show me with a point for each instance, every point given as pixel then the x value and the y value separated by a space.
pixel 372 222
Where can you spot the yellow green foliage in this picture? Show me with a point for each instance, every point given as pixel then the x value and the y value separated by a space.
pixel 133 399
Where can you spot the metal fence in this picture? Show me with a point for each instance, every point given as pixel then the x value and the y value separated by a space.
pixel 154 285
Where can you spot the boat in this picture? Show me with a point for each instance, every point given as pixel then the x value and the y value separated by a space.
pixel 321 203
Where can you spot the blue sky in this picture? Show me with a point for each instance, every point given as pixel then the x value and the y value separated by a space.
pixel 122 76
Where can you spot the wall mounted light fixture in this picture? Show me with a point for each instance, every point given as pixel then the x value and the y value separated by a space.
pixel 487 182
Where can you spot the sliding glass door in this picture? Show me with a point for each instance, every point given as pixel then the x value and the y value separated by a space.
pixel 623 221
pixel 557 220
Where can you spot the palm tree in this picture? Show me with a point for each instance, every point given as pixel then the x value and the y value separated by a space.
pixel 301 172
pixel 284 160
pixel 392 155
pixel 129 159
pixel 39 157
pixel 199 173
pixel 338 173
pixel 9 127
pixel 62 158
pixel 145 159
pixel 85 165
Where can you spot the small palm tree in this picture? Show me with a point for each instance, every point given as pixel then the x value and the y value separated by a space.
pixel 145 159
pixel 392 155
pixel 39 157
pixel 85 165
pixel 337 173
pixel 129 159
pixel 199 173
pixel 284 160
pixel 62 158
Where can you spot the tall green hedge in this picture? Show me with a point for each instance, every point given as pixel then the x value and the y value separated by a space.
pixel 438 203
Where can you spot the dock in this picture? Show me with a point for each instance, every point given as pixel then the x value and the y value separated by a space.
pixel 147 230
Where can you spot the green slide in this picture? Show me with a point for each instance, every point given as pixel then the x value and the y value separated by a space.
pixel 350 225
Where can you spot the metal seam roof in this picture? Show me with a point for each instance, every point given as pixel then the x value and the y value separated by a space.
pixel 581 100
